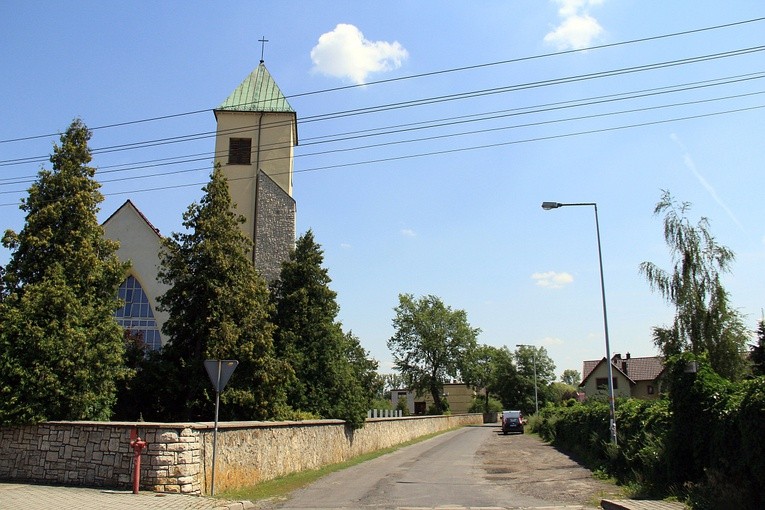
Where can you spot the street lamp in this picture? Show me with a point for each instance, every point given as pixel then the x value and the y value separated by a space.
pixel 534 358
pixel 555 205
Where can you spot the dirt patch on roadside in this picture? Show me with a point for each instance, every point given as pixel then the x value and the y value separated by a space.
pixel 534 468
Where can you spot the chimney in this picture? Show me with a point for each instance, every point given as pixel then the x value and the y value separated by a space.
pixel 628 355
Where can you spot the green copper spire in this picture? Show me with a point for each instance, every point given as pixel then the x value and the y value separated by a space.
pixel 257 93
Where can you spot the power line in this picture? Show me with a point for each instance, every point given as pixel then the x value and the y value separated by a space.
pixel 422 101
pixel 455 150
pixel 531 124
pixel 478 117
pixel 528 140
pixel 436 123
pixel 422 75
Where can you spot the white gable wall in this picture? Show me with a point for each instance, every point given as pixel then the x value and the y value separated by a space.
pixel 140 245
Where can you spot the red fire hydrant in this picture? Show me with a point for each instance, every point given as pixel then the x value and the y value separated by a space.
pixel 137 444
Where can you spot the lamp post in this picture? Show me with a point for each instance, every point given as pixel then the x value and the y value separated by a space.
pixel 555 205
pixel 534 358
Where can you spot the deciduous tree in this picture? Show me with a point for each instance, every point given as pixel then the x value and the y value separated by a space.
pixel 757 352
pixel 60 347
pixel 529 359
pixel 482 370
pixel 571 377
pixel 431 343
pixel 391 382
pixel 705 322
pixel 507 384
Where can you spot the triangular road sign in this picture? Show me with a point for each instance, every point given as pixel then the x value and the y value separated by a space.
pixel 220 371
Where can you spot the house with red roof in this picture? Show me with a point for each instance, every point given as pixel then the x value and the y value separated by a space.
pixel 632 377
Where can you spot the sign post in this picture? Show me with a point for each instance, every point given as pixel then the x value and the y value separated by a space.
pixel 219 372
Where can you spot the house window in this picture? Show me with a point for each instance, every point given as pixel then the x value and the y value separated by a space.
pixel 137 316
pixel 602 382
pixel 650 389
pixel 239 150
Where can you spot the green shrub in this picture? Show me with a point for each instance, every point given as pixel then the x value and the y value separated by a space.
pixel 705 442
pixel 301 416
pixel 735 471
pixel 434 411
pixel 382 403
pixel 478 405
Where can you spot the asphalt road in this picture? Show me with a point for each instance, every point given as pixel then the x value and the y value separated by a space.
pixel 443 472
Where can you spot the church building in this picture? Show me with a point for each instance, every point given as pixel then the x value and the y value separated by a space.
pixel 255 137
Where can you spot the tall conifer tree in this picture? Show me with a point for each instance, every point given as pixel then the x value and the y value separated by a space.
pixel 332 370
pixel 219 309
pixel 60 347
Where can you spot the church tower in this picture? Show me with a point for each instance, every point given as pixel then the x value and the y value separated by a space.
pixel 256 134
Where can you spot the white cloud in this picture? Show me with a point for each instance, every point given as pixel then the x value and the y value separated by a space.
pixel 549 341
pixel 552 280
pixel 345 246
pixel 577 29
pixel 345 53
pixel 572 7
pixel 408 232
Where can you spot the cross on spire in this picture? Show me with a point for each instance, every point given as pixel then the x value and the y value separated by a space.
pixel 262 42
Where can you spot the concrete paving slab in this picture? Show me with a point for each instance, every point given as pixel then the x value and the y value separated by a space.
pixel 19 496
pixel 640 504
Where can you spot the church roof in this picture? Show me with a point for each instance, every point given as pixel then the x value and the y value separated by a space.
pixel 130 205
pixel 257 93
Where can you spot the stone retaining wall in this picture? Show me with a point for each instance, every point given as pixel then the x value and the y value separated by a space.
pixel 178 457
pixel 98 454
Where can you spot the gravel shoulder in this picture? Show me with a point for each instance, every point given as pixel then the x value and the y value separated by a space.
pixel 534 468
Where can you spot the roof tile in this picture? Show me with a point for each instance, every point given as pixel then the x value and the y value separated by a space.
pixel 637 369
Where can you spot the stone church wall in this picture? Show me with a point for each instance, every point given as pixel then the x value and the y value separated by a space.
pixel 178 457
pixel 274 227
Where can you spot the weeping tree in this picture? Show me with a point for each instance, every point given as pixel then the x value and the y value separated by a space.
pixel 704 323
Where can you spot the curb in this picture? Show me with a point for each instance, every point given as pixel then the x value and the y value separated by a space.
pixel 640 504
pixel 237 505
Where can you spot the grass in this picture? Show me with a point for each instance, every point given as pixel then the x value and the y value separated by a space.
pixel 278 488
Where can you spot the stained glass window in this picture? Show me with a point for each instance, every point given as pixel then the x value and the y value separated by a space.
pixel 137 316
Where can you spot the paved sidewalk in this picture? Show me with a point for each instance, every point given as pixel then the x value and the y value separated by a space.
pixel 20 496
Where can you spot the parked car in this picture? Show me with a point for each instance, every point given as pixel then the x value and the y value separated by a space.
pixel 512 421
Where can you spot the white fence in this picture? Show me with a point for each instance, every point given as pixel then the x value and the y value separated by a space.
pixel 385 413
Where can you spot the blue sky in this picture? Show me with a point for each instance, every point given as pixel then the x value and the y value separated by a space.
pixel 431 197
